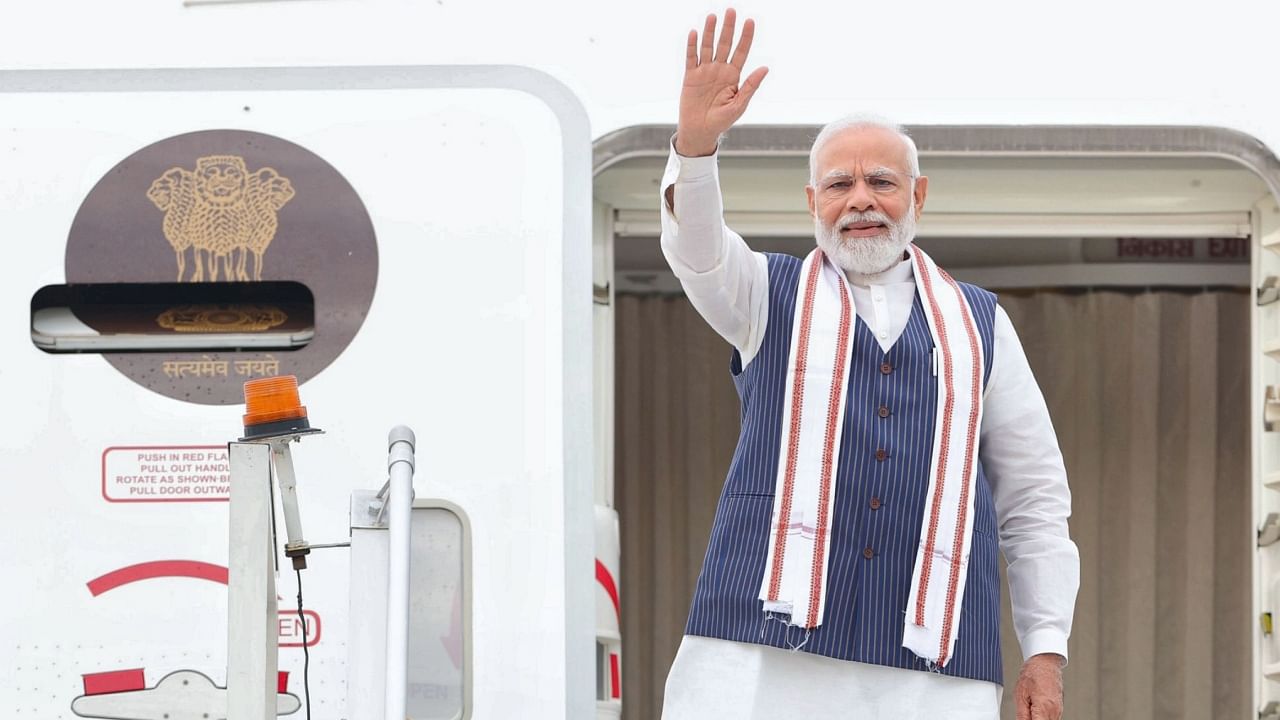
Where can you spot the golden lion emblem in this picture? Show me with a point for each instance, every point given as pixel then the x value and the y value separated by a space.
pixel 222 213
pixel 221 318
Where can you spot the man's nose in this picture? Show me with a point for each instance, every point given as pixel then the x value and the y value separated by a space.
pixel 860 198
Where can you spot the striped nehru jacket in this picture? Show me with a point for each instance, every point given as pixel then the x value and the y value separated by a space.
pixel 886 447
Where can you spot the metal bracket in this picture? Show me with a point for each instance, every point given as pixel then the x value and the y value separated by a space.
pixel 367 511
pixel 1269 533
pixel 1269 290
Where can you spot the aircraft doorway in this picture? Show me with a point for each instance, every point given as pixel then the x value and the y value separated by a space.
pixel 1127 272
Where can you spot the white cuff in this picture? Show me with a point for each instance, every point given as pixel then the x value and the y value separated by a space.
pixel 1046 640
pixel 696 168
pixel 687 170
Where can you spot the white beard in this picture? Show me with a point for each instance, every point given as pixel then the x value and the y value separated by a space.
pixel 866 255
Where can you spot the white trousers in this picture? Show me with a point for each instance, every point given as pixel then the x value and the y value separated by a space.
pixel 713 678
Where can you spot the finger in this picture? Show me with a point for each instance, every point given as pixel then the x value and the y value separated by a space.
pixel 1022 703
pixel 726 35
pixel 1038 712
pixel 691 51
pixel 744 45
pixel 1024 711
pixel 751 84
pixel 708 34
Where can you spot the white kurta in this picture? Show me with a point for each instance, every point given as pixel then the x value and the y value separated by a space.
pixel 725 679
pixel 728 284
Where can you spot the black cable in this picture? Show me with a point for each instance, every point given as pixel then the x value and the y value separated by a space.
pixel 306 657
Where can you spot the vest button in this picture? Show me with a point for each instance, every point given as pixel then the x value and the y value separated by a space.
pixel 868 553
pixel 875 503
pixel 884 411
pixel 881 455
pixel 885 368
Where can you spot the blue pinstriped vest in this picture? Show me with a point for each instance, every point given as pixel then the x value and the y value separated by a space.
pixel 879 504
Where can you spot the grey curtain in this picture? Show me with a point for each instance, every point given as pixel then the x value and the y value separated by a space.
pixel 1149 396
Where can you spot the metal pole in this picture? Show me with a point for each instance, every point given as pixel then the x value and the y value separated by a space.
pixel 282 459
pixel 400 462
pixel 251 589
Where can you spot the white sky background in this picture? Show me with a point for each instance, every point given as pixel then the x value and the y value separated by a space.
pixel 931 61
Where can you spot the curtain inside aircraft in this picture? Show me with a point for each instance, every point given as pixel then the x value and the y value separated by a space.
pixel 1149 394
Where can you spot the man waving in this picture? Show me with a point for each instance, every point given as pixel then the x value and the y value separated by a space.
pixel 893 443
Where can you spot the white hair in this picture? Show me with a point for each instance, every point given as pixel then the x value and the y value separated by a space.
pixel 858 122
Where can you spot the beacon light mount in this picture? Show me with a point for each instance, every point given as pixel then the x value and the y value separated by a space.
pixel 274 415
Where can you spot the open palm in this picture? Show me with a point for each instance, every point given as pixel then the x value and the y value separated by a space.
pixel 711 100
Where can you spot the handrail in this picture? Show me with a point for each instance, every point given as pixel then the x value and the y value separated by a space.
pixel 400 467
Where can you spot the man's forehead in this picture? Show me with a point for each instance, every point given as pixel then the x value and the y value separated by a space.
pixel 863 149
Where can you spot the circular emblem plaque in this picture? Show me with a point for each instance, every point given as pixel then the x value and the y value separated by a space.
pixel 228 206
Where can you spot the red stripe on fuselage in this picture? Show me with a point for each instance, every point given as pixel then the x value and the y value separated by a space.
pixel 605 578
pixel 158 569
pixel 114 682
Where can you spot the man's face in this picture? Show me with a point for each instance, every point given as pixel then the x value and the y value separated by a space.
pixel 864 202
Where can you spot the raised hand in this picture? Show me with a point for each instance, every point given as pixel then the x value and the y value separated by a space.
pixel 711 100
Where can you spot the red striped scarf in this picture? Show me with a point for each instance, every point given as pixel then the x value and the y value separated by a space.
pixel 817 383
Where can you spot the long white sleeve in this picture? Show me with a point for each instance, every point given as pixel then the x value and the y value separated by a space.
pixel 727 283
pixel 1020 455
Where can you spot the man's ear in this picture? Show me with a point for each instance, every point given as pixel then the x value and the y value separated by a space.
pixel 921 190
pixel 813 209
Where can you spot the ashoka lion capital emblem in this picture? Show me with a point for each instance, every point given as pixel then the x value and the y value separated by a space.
pixel 221 318
pixel 222 213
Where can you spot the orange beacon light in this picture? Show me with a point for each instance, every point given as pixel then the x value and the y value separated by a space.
pixel 272 407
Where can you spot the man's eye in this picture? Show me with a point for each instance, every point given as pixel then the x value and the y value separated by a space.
pixel 838 185
pixel 880 182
